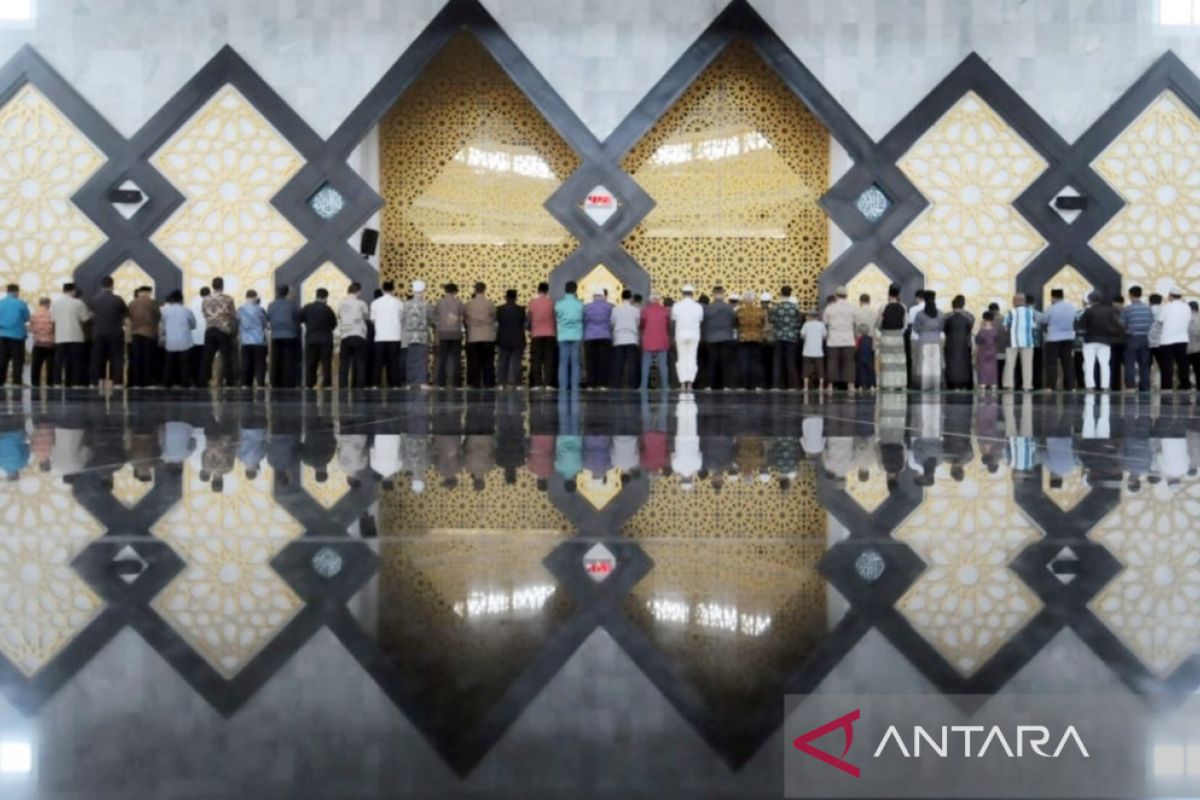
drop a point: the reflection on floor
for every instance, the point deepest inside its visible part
(673, 567)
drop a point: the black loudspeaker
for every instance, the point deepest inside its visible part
(1068, 203)
(125, 196)
(370, 242)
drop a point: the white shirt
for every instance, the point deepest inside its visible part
(813, 334)
(69, 313)
(197, 307)
(1175, 318)
(625, 321)
(687, 315)
(385, 313)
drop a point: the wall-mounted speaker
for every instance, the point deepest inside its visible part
(369, 243)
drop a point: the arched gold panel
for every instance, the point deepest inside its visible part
(467, 164)
(736, 168)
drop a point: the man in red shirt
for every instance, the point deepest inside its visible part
(656, 341)
(543, 343)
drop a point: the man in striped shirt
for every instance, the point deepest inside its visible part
(1021, 324)
(1137, 319)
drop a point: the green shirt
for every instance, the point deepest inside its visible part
(568, 314)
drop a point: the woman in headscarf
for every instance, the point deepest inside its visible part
(927, 330)
(958, 344)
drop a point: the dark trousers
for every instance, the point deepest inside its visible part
(108, 354)
(1059, 358)
(177, 370)
(43, 358)
(481, 365)
(389, 358)
(353, 364)
(510, 365)
(1194, 361)
(197, 377)
(216, 341)
(626, 358)
(864, 363)
(720, 370)
(254, 365)
(1175, 366)
(318, 354)
(786, 369)
(449, 355)
(768, 364)
(1116, 360)
(542, 352)
(1158, 355)
(597, 356)
(12, 351)
(70, 363)
(143, 352)
(750, 365)
(1137, 363)
(285, 363)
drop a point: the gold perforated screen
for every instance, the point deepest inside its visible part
(736, 167)
(467, 163)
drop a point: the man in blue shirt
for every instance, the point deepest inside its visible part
(1138, 320)
(1059, 322)
(283, 318)
(252, 327)
(14, 316)
(568, 316)
(1020, 326)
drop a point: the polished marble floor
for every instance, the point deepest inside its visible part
(492, 595)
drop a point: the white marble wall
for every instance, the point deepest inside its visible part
(1069, 58)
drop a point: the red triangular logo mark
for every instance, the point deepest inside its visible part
(846, 725)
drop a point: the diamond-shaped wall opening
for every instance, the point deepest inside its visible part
(600, 204)
(467, 164)
(872, 203)
(736, 168)
(327, 202)
(125, 201)
(1069, 215)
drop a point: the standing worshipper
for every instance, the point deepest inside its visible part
(655, 326)
(626, 322)
(144, 316)
(252, 331)
(41, 325)
(352, 314)
(1020, 324)
(108, 335)
(283, 320)
(14, 316)
(416, 322)
(177, 323)
(751, 326)
(927, 332)
(1001, 339)
(568, 321)
(510, 340)
(198, 335)
(479, 317)
(1117, 350)
(597, 340)
(388, 349)
(448, 318)
(891, 323)
(786, 320)
(688, 316)
(543, 339)
(768, 343)
(839, 341)
(987, 367)
(813, 334)
(1193, 346)
(220, 318)
(864, 344)
(718, 331)
(958, 325)
(319, 323)
(910, 350)
(1138, 320)
(70, 346)
(1174, 340)
(1059, 322)
(1101, 324)
(1157, 355)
